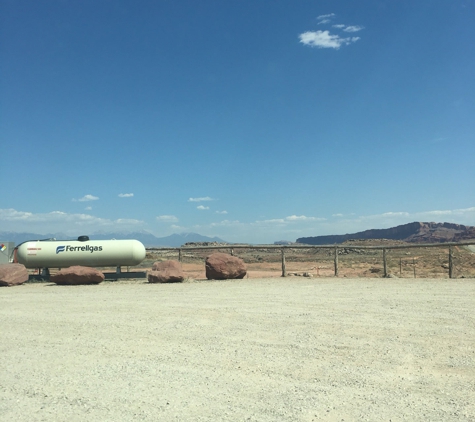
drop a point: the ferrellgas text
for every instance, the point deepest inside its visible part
(83, 248)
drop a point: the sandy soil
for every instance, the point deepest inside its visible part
(277, 349)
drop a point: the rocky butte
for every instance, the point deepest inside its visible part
(416, 232)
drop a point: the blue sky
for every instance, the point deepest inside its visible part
(254, 121)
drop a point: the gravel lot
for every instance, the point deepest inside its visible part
(276, 349)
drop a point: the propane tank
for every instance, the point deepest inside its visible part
(85, 252)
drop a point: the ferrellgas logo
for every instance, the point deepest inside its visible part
(70, 248)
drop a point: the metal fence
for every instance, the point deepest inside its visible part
(336, 251)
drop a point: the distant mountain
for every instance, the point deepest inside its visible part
(18, 238)
(148, 239)
(412, 232)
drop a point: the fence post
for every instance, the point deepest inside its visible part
(385, 267)
(336, 261)
(179, 255)
(451, 263)
(284, 271)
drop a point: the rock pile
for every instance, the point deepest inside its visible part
(199, 244)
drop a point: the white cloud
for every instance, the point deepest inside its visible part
(302, 218)
(323, 39)
(337, 215)
(353, 28)
(456, 212)
(395, 214)
(127, 221)
(221, 212)
(440, 212)
(225, 223)
(86, 198)
(175, 227)
(464, 215)
(270, 221)
(88, 208)
(126, 195)
(58, 221)
(323, 17)
(9, 214)
(204, 198)
(167, 218)
(202, 207)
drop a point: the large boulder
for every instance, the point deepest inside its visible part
(166, 272)
(222, 266)
(13, 274)
(78, 275)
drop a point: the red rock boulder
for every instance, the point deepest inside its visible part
(166, 272)
(78, 275)
(222, 266)
(13, 274)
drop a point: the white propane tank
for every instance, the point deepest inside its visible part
(89, 253)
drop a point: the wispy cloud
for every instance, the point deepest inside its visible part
(128, 221)
(402, 217)
(167, 218)
(86, 198)
(202, 207)
(221, 212)
(271, 221)
(303, 218)
(59, 221)
(201, 199)
(353, 28)
(126, 195)
(323, 39)
(88, 208)
(325, 17)
(289, 220)
(226, 223)
(176, 227)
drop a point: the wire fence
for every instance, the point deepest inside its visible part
(435, 260)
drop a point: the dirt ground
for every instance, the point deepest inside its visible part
(273, 349)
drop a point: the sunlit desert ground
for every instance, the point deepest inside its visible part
(257, 349)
